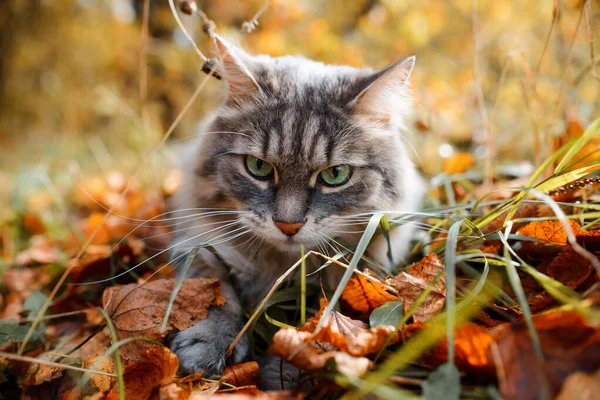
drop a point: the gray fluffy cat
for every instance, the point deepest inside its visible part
(300, 153)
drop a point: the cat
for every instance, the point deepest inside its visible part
(301, 153)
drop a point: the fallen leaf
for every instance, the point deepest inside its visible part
(155, 367)
(36, 374)
(569, 344)
(352, 336)
(40, 251)
(471, 350)
(253, 395)
(458, 163)
(138, 310)
(363, 295)
(580, 386)
(411, 283)
(549, 231)
(390, 313)
(570, 268)
(297, 348)
(244, 374)
(174, 391)
(25, 279)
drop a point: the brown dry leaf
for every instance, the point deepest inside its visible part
(569, 344)
(589, 239)
(92, 352)
(174, 391)
(289, 342)
(549, 231)
(250, 395)
(36, 374)
(156, 366)
(352, 336)
(244, 374)
(25, 279)
(139, 310)
(471, 347)
(570, 268)
(458, 163)
(364, 295)
(40, 251)
(581, 386)
(411, 283)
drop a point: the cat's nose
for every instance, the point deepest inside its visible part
(289, 228)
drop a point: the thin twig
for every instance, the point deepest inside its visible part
(590, 32)
(11, 356)
(250, 25)
(554, 15)
(144, 70)
(488, 140)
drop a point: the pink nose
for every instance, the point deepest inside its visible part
(289, 229)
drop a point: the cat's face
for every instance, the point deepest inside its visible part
(301, 148)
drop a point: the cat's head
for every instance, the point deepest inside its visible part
(300, 146)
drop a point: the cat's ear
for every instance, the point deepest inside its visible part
(234, 66)
(388, 95)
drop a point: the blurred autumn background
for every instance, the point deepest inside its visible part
(86, 97)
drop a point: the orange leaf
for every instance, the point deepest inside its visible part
(364, 295)
(471, 346)
(549, 231)
(411, 283)
(244, 374)
(297, 347)
(458, 163)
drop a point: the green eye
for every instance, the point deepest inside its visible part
(260, 169)
(336, 175)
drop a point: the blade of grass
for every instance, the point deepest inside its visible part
(182, 274)
(360, 249)
(515, 283)
(302, 287)
(576, 146)
(450, 261)
(118, 363)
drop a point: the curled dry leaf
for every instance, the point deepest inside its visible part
(244, 374)
(580, 386)
(363, 295)
(253, 395)
(297, 347)
(411, 283)
(138, 310)
(174, 391)
(341, 338)
(352, 336)
(569, 344)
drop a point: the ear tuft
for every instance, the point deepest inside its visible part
(388, 97)
(235, 68)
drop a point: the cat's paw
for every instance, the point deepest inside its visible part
(203, 346)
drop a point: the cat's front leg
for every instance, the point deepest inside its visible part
(202, 347)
